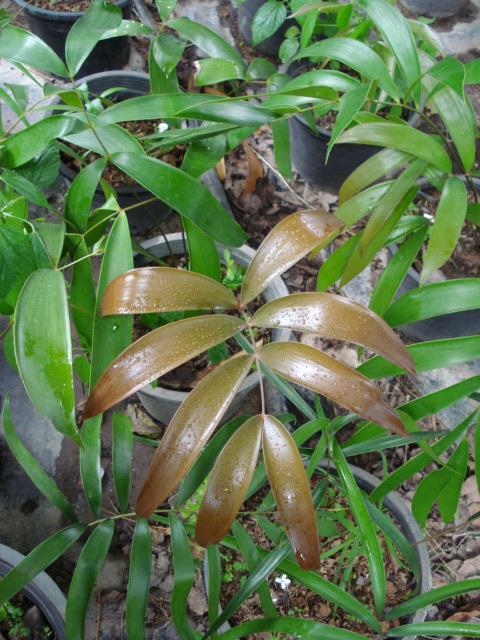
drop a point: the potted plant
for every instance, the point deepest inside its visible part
(100, 91)
(389, 206)
(337, 64)
(54, 281)
(164, 289)
(52, 22)
(41, 593)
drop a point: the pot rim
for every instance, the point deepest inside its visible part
(251, 380)
(400, 509)
(41, 590)
(67, 16)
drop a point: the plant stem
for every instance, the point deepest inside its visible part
(117, 517)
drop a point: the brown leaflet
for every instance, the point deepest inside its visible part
(155, 354)
(229, 482)
(155, 289)
(333, 316)
(311, 368)
(291, 491)
(189, 430)
(289, 241)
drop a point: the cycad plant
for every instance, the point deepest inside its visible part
(159, 289)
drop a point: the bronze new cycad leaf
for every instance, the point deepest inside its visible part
(161, 289)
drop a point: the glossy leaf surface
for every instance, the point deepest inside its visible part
(447, 226)
(394, 273)
(190, 428)
(440, 629)
(28, 143)
(402, 137)
(208, 41)
(456, 115)
(156, 353)
(289, 241)
(43, 349)
(354, 54)
(435, 595)
(419, 462)
(188, 105)
(309, 367)
(139, 580)
(175, 188)
(81, 192)
(122, 447)
(184, 575)
(18, 45)
(389, 204)
(158, 289)
(395, 30)
(87, 31)
(84, 577)
(432, 300)
(205, 461)
(371, 170)
(82, 293)
(427, 356)
(291, 490)
(289, 625)
(228, 483)
(333, 316)
(111, 335)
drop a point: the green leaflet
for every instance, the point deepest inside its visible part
(37, 560)
(367, 528)
(122, 447)
(447, 226)
(432, 300)
(86, 572)
(427, 356)
(139, 580)
(43, 349)
(402, 137)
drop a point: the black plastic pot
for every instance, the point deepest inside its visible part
(309, 154)
(53, 27)
(246, 13)
(434, 8)
(453, 325)
(309, 149)
(402, 514)
(148, 215)
(42, 591)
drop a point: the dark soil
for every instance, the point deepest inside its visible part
(62, 5)
(21, 619)
(298, 600)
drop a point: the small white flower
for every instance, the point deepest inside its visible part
(283, 582)
(162, 126)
